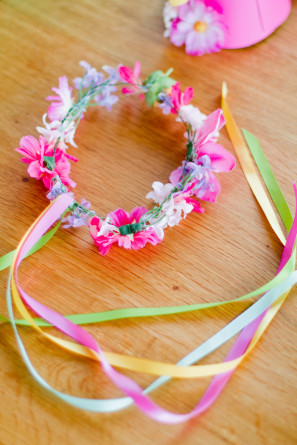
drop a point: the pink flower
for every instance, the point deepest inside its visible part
(132, 77)
(105, 233)
(209, 157)
(59, 109)
(35, 152)
(220, 159)
(199, 27)
(186, 196)
(179, 99)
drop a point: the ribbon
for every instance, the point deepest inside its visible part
(164, 416)
(127, 362)
(254, 331)
(176, 3)
(161, 415)
(240, 327)
(248, 167)
(6, 260)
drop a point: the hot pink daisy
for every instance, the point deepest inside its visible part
(107, 232)
(199, 27)
(34, 153)
(63, 101)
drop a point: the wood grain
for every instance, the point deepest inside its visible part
(219, 255)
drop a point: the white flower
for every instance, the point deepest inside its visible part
(171, 214)
(176, 210)
(160, 225)
(161, 191)
(192, 115)
(54, 130)
(107, 227)
(169, 13)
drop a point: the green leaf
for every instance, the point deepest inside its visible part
(50, 162)
(156, 83)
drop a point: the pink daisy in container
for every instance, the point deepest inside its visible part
(199, 27)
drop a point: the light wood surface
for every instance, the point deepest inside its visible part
(222, 254)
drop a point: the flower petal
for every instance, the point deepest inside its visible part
(210, 191)
(126, 73)
(176, 175)
(196, 205)
(221, 159)
(213, 123)
(137, 69)
(136, 214)
(188, 95)
(119, 217)
(29, 147)
(177, 37)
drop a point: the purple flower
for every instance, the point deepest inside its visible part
(105, 98)
(79, 216)
(165, 103)
(57, 189)
(114, 75)
(199, 27)
(91, 76)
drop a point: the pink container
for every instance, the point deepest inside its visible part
(250, 21)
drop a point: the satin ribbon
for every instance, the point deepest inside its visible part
(126, 313)
(256, 328)
(241, 325)
(171, 418)
(178, 2)
(248, 166)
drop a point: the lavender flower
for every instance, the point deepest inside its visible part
(114, 75)
(165, 103)
(57, 189)
(105, 98)
(79, 215)
(91, 77)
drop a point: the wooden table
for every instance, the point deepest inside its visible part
(222, 254)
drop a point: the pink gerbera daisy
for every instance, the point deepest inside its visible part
(199, 27)
(107, 232)
(35, 153)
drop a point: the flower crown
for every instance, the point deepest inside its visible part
(48, 158)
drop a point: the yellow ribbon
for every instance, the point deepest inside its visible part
(178, 2)
(248, 167)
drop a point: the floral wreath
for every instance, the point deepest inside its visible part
(48, 158)
(197, 24)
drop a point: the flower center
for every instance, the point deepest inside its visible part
(200, 26)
